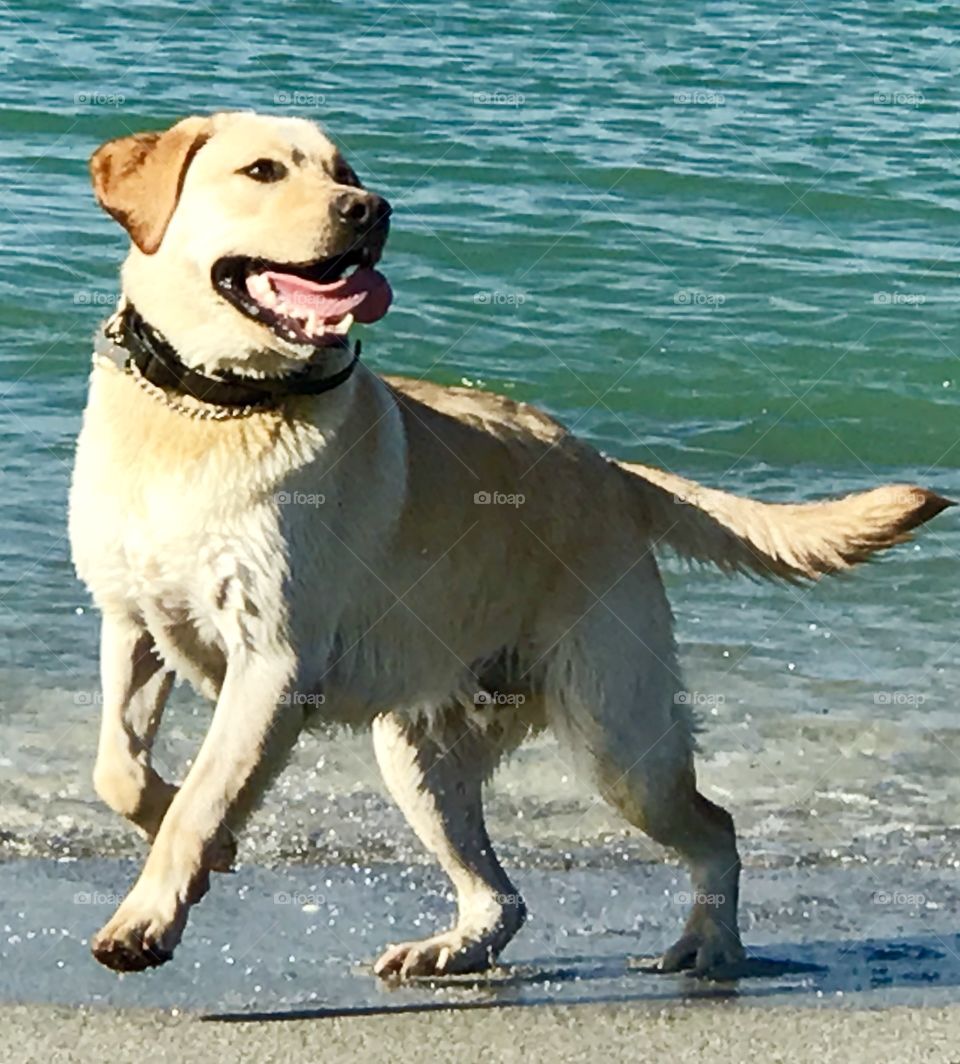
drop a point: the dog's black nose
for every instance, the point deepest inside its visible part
(361, 210)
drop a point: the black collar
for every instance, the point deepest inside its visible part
(157, 362)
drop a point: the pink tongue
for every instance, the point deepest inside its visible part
(365, 294)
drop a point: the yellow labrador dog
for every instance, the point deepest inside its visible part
(254, 510)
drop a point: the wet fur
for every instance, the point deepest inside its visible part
(397, 599)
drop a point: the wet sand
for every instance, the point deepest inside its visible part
(275, 939)
(284, 957)
(715, 1032)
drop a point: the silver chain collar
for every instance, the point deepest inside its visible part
(108, 354)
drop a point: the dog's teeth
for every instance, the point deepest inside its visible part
(302, 313)
(262, 291)
(259, 287)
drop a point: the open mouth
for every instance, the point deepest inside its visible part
(311, 303)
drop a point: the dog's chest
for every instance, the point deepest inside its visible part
(197, 587)
(186, 546)
(192, 580)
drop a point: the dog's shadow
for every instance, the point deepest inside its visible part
(829, 968)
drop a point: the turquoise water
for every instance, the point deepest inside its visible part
(722, 238)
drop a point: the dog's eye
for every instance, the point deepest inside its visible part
(344, 175)
(265, 170)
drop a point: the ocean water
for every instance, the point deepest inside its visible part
(721, 238)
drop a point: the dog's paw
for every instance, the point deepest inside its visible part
(451, 953)
(134, 939)
(707, 951)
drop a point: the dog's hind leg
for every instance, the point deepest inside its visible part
(670, 809)
(616, 699)
(435, 773)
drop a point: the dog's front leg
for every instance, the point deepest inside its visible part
(135, 686)
(435, 772)
(253, 727)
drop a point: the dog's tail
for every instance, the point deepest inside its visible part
(790, 541)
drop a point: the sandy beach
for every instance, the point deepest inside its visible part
(720, 1031)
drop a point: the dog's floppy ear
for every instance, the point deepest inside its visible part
(137, 179)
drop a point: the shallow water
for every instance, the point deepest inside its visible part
(302, 941)
(721, 240)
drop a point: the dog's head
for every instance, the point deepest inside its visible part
(253, 241)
